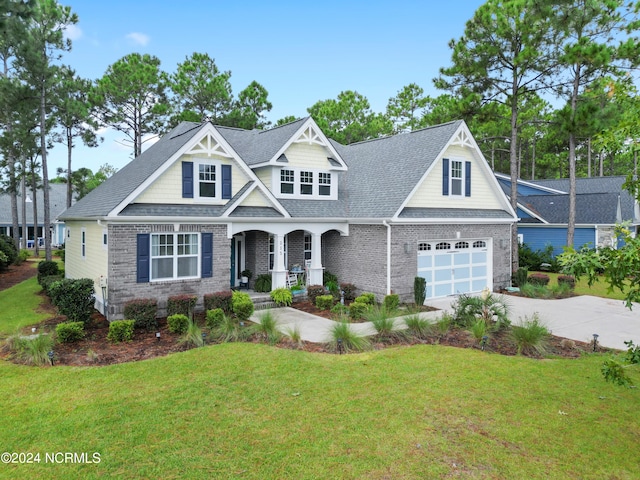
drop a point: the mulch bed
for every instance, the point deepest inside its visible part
(95, 349)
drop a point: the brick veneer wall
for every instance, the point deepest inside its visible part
(361, 258)
(123, 286)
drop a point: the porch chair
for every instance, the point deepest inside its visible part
(292, 279)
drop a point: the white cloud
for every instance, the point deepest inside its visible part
(72, 32)
(138, 38)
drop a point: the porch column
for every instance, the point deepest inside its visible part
(316, 269)
(279, 272)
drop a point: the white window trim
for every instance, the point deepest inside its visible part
(175, 257)
(83, 243)
(461, 178)
(296, 183)
(196, 180)
(304, 246)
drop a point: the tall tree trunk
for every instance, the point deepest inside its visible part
(13, 181)
(69, 149)
(45, 175)
(589, 157)
(23, 187)
(513, 161)
(571, 225)
(533, 160)
(34, 194)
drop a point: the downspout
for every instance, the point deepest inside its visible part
(384, 222)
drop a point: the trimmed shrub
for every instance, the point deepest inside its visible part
(215, 317)
(178, 323)
(219, 300)
(357, 310)
(538, 279)
(69, 332)
(282, 296)
(520, 276)
(340, 309)
(391, 302)
(349, 290)
(313, 292)
(74, 298)
(60, 253)
(324, 302)
(47, 268)
(419, 290)
(366, 297)
(143, 312)
(120, 331)
(9, 251)
(23, 256)
(242, 305)
(181, 304)
(46, 282)
(263, 283)
(567, 280)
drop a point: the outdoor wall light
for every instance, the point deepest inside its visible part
(407, 248)
(595, 341)
(158, 336)
(50, 355)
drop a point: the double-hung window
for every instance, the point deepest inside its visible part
(324, 179)
(287, 179)
(456, 177)
(306, 183)
(174, 255)
(207, 180)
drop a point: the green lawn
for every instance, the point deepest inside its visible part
(259, 412)
(598, 289)
(19, 305)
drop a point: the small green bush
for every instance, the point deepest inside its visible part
(324, 302)
(567, 280)
(74, 298)
(242, 305)
(357, 310)
(366, 297)
(313, 292)
(219, 300)
(33, 351)
(143, 312)
(69, 332)
(349, 290)
(215, 317)
(9, 252)
(520, 276)
(391, 302)
(282, 296)
(23, 256)
(60, 253)
(178, 323)
(181, 304)
(418, 327)
(419, 290)
(538, 279)
(47, 268)
(339, 309)
(531, 336)
(46, 282)
(263, 283)
(120, 331)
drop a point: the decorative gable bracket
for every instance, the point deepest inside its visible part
(209, 146)
(310, 136)
(463, 139)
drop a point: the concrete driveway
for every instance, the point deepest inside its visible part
(577, 318)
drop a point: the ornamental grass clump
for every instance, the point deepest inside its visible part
(418, 327)
(192, 336)
(530, 336)
(33, 351)
(267, 329)
(231, 330)
(344, 340)
(384, 324)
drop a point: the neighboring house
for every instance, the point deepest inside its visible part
(206, 202)
(543, 209)
(57, 205)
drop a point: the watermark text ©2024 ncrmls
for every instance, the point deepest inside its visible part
(50, 457)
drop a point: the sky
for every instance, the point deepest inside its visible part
(300, 51)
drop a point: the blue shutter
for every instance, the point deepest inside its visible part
(445, 176)
(187, 179)
(206, 270)
(467, 179)
(226, 181)
(143, 257)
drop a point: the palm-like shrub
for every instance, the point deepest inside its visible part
(343, 337)
(493, 309)
(530, 336)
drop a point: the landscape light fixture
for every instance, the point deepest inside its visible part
(595, 341)
(204, 337)
(242, 324)
(483, 343)
(158, 336)
(340, 348)
(50, 355)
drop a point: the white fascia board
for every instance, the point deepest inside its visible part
(448, 221)
(531, 184)
(309, 122)
(534, 215)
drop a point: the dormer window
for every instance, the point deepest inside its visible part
(207, 180)
(305, 183)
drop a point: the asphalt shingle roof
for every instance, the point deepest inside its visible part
(413, 212)
(594, 208)
(57, 204)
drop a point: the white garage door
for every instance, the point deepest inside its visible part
(454, 267)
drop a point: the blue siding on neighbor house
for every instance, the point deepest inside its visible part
(537, 238)
(522, 214)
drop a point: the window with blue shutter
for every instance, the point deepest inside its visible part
(206, 270)
(445, 176)
(467, 179)
(187, 179)
(226, 181)
(142, 258)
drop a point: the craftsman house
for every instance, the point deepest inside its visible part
(206, 202)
